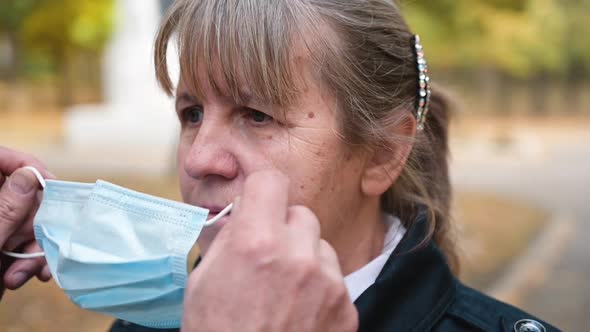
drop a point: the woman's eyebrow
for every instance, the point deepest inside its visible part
(185, 98)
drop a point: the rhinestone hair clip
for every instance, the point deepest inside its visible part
(423, 100)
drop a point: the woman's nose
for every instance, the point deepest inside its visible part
(211, 155)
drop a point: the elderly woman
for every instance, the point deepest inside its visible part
(318, 120)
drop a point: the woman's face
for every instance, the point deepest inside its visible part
(222, 142)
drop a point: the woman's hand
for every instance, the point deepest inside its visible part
(268, 270)
(19, 201)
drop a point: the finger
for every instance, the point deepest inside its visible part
(25, 232)
(348, 316)
(45, 274)
(304, 228)
(263, 202)
(17, 200)
(24, 269)
(5, 262)
(329, 259)
(11, 160)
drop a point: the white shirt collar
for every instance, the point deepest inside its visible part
(358, 281)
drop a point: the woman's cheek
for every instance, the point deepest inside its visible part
(188, 135)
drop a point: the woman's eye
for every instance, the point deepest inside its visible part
(258, 117)
(193, 115)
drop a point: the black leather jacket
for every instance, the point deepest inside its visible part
(416, 291)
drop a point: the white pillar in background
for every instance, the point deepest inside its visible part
(136, 125)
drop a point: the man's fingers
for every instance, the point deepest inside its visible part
(25, 232)
(24, 269)
(11, 160)
(17, 200)
(45, 274)
(263, 201)
(304, 228)
(329, 259)
(5, 262)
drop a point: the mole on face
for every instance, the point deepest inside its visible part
(310, 115)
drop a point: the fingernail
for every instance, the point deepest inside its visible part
(21, 184)
(19, 278)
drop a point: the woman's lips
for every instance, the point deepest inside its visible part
(214, 209)
(217, 212)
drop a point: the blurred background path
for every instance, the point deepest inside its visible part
(557, 180)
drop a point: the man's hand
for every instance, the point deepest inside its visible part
(268, 270)
(19, 201)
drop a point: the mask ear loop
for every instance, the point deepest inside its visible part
(35, 254)
(220, 215)
(23, 256)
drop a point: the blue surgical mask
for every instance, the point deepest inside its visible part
(117, 251)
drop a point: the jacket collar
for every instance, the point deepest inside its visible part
(414, 288)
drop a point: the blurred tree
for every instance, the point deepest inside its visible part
(526, 39)
(577, 38)
(61, 29)
(12, 16)
(518, 37)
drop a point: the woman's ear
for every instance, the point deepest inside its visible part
(387, 162)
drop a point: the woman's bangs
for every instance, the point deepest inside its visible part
(244, 49)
